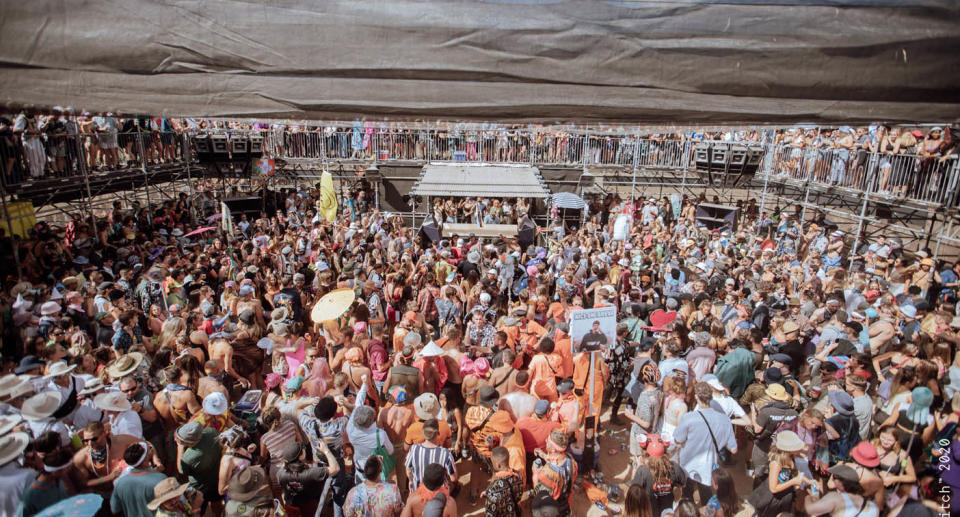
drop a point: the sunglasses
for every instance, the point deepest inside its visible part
(90, 440)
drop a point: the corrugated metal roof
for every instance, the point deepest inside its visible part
(468, 180)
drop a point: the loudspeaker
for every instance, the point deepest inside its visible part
(220, 145)
(244, 205)
(525, 236)
(723, 164)
(721, 217)
(429, 231)
(256, 146)
(201, 144)
(239, 145)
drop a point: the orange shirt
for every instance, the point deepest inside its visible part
(518, 455)
(581, 379)
(544, 369)
(415, 434)
(562, 349)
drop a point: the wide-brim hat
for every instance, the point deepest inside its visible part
(8, 382)
(12, 446)
(156, 274)
(789, 441)
(215, 404)
(865, 453)
(431, 350)
(8, 422)
(248, 484)
(426, 406)
(49, 308)
(59, 368)
(166, 490)
(112, 401)
(91, 387)
(332, 305)
(41, 405)
(777, 392)
(487, 396)
(124, 365)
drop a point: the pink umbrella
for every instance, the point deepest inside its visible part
(214, 217)
(200, 230)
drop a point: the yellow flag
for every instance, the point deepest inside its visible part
(328, 198)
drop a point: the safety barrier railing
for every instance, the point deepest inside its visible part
(930, 179)
(30, 158)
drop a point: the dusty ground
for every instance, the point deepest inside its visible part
(616, 468)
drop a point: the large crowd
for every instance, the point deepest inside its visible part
(909, 162)
(765, 369)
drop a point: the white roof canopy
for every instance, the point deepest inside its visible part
(469, 180)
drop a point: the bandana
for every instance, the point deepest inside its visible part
(99, 455)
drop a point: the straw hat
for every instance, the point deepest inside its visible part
(112, 401)
(166, 490)
(124, 365)
(431, 350)
(59, 368)
(24, 388)
(7, 383)
(788, 441)
(91, 387)
(41, 405)
(8, 422)
(777, 392)
(12, 446)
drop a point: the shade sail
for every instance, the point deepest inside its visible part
(681, 61)
(480, 180)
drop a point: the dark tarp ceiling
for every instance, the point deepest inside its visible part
(540, 61)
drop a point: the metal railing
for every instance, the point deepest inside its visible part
(907, 176)
(896, 176)
(26, 159)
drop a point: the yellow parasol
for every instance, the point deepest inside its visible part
(332, 305)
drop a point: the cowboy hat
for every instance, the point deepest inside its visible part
(215, 403)
(8, 382)
(166, 490)
(431, 350)
(250, 483)
(112, 401)
(58, 368)
(124, 365)
(91, 387)
(8, 422)
(12, 446)
(41, 405)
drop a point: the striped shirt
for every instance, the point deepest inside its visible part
(420, 456)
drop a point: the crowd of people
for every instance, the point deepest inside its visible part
(909, 162)
(757, 370)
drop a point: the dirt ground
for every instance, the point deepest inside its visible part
(617, 468)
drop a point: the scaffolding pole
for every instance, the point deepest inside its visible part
(636, 163)
(143, 167)
(863, 215)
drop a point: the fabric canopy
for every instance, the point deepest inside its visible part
(682, 61)
(456, 180)
(567, 200)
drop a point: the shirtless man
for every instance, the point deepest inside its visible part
(175, 403)
(504, 378)
(221, 354)
(213, 381)
(246, 301)
(100, 461)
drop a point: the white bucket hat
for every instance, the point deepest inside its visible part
(215, 404)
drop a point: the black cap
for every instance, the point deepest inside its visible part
(772, 376)
(781, 358)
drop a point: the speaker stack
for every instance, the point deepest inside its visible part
(726, 165)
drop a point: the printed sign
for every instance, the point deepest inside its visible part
(593, 328)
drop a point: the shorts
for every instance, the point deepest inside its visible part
(107, 140)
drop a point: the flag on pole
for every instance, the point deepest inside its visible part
(328, 198)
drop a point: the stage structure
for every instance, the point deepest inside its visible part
(634, 163)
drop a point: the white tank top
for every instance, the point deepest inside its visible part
(852, 509)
